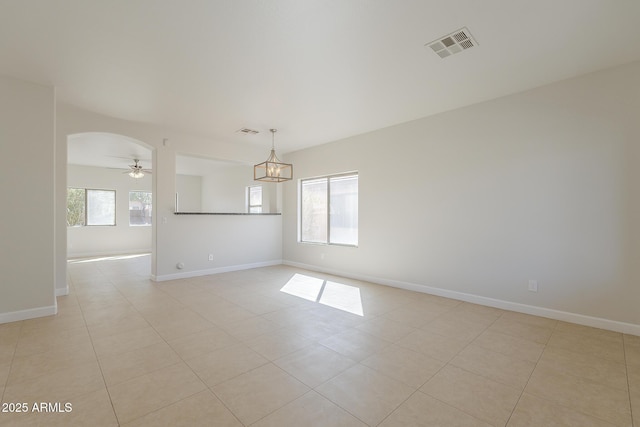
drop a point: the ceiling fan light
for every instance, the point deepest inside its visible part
(136, 170)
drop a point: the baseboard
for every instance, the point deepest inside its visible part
(196, 273)
(31, 313)
(580, 319)
(63, 291)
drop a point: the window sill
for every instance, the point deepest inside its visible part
(341, 245)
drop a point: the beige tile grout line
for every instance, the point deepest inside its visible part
(13, 356)
(559, 404)
(453, 357)
(383, 374)
(104, 381)
(180, 357)
(313, 389)
(94, 351)
(555, 327)
(626, 369)
(441, 368)
(98, 359)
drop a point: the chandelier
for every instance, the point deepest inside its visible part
(272, 169)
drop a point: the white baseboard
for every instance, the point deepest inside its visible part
(60, 292)
(31, 313)
(580, 319)
(196, 273)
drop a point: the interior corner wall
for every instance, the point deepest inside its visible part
(108, 240)
(27, 116)
(543, 185)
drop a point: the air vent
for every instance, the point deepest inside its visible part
(453, 43)
(247, 131)
(461, 36)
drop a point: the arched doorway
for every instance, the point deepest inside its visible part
(109, 195)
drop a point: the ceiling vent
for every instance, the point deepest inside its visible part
(247, 131)
(453, 43)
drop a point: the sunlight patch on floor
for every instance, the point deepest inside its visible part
(106, 258)
(337, 295)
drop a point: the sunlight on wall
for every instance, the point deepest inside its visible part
(332, 294)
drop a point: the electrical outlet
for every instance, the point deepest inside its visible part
(533, 285)
(210, 257)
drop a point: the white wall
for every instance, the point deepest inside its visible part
(189, 189)
(235, 241)
(173, 236)
(540, 185)
(27, 118)
(108, 240)
(224, 190)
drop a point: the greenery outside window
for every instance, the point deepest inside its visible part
(90, 207)
(140, 208)
(76, 207)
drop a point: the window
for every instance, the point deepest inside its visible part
(90, 207)
(75, 207)
(329, 210)
(140, 208)
(254, 199)
(101, 207)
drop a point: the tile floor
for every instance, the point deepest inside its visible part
(280, 346)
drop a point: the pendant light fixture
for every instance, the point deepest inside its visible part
(273, 170)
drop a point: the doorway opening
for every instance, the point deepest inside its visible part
(109, 197)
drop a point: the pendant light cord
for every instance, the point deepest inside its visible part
(273, 138)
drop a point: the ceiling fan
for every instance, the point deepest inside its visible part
(137, 171)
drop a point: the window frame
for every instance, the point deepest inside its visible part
(129, 207)
(249, 205)
(328, 206)
(86, 207)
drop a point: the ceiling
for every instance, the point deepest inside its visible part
(318, 70)
(202, 166)
(106, 150)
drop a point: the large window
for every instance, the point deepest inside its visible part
(254, 199)
(329, 210)
(140, 208)
(90, 207)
